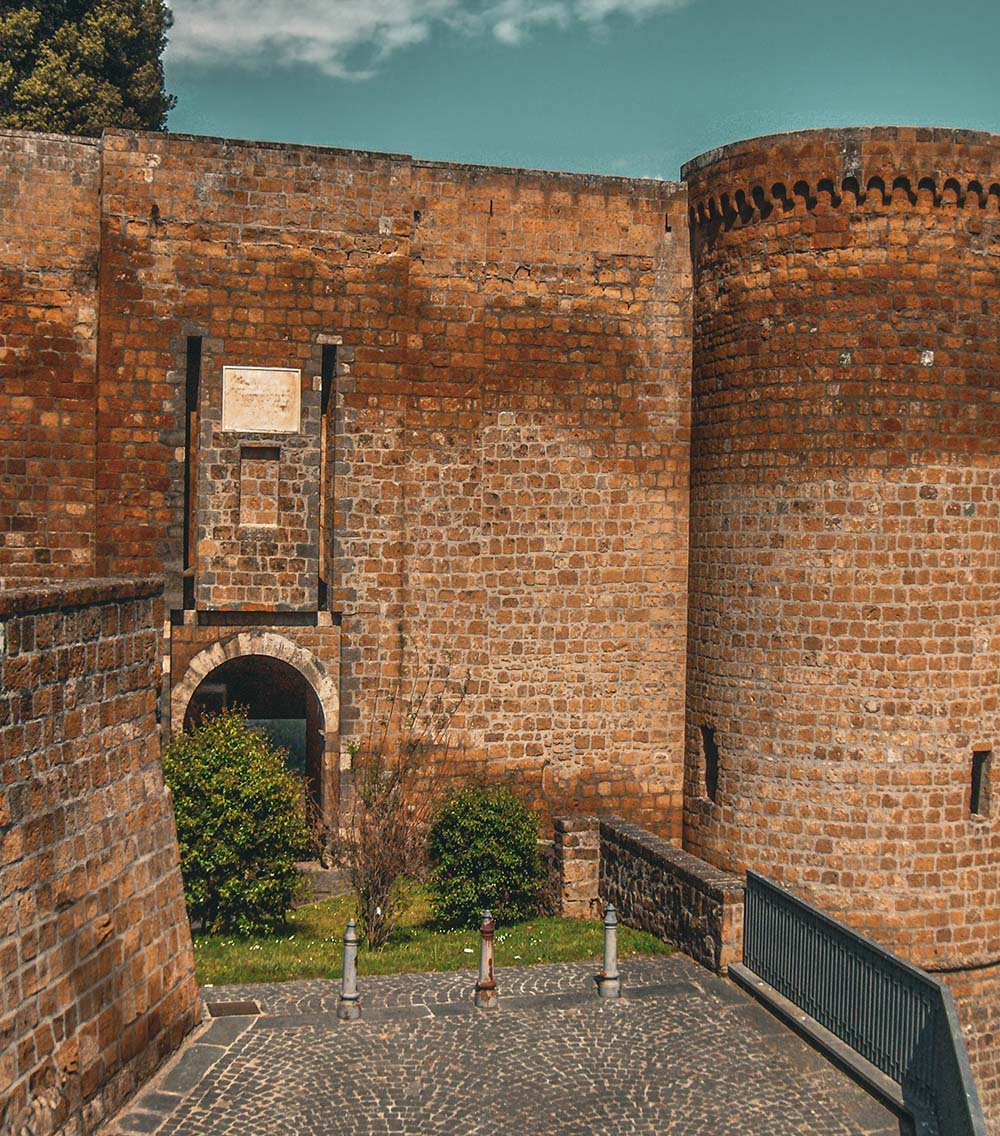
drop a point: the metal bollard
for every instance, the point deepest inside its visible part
(608, 983)
(486, 987)
(349, 1004)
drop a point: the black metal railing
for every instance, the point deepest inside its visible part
(894, 1015)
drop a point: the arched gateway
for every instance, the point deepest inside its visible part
(284, 688)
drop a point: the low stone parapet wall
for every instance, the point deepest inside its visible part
(95, 949)
(653, 885)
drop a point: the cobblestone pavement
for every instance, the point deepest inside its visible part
(683, 1053)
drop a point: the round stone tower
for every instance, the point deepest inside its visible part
(843, 722)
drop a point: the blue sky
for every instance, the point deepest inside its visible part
(632, 87)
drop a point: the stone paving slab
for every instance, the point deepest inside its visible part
(682, 1054)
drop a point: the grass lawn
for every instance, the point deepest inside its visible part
(312, 946)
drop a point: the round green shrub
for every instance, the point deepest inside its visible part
(241, 825)
(483, 849)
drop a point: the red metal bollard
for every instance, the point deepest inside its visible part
(486, 987)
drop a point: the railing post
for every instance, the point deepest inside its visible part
(349, 1004)
(486, 987)
(608, 982)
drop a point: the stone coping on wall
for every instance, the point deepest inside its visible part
(51, 595)
(587, 179)
(714, 882)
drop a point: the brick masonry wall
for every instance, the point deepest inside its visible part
(519, 517)
(845, 501)
(843, 630)
(94, 942)
(576, 866)
(977, 998)
(235, 245)
(505, 447)
(653, 885)
(49, 251)
(257, 553)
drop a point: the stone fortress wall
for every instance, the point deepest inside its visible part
(844, 629)
(95, 949)
(490, 474)
(49, 255)
(845, 495)
(695, 484)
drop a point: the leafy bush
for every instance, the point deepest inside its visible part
(483, 848)
(241, 824)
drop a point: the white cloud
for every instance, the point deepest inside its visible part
(347, 38)
(596, 10)
(318, 33)
(510, 21)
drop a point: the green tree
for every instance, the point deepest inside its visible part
(241, 824)
(77, 66)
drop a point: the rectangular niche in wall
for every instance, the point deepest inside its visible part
(261, 400)
(259, 470)
(711, 751)
(979, 789)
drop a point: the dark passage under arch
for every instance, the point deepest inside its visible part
(279, 700)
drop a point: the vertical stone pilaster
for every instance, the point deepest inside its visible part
(578, 865)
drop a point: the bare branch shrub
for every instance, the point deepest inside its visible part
(393, 796)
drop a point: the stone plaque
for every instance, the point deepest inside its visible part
(261, 400)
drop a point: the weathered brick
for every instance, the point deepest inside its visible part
(69, 939)
(844, 508)
(506, 476)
